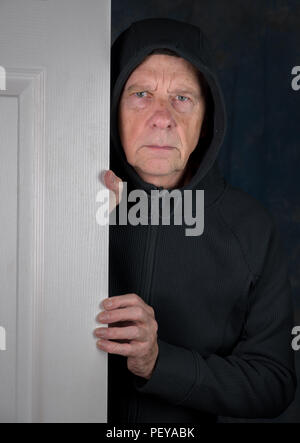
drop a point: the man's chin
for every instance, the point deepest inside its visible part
(154, 172)
(155, 167)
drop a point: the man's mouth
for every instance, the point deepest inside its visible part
(160, 147)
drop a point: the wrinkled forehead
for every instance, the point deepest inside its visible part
(156, 63)
(176, 70)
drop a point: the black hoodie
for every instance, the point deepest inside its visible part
(222, 300)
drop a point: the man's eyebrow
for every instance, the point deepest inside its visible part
(139, 87)
(178, 90)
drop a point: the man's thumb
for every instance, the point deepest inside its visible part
(111, 180)
(114, 184)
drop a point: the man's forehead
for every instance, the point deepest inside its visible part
(154, 71)
(154, 64)
(147, 74)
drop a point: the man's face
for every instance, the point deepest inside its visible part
(161, 105)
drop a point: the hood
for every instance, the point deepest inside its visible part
(188, 41)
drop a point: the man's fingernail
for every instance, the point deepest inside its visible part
(108, 303)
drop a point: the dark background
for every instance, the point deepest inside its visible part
(256, 45)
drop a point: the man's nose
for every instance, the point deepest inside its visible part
(162, 117)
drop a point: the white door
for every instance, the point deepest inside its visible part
(54, 144)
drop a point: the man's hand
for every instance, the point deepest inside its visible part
(137, 334)
(115, 186)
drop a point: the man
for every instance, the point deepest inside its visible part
(199, 326)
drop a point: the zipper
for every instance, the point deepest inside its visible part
(147, 278)
(149, 255)
(150, 261)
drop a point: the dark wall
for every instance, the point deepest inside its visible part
(256, 44)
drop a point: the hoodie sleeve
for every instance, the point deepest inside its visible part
(258, 379)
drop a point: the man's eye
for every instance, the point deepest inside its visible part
(141, 92)
(182, 96)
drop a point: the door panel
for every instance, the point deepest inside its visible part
(8, 255)
(54, 144)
